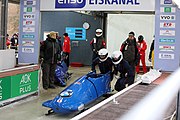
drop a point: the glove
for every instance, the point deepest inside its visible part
(58, 62)
(92, 71)
(117, 77)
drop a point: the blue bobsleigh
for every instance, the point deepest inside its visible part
(80, 93)
(61, 75)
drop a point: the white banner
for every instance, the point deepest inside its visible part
(167, 25)
(98, 5)
(166, 56)
(167, 32)
(167, 48)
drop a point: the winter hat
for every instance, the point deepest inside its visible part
(131, 33)
(65, 34)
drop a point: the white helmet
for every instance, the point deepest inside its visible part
(103, 54)
(117, 56)
(99, 32)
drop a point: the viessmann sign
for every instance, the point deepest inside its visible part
(98, 5)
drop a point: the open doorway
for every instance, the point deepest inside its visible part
(122, 24)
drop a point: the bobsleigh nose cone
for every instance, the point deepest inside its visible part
(47, 104)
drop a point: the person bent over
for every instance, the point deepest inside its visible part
(103, 61)
(125, 70)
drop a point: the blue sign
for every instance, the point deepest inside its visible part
(167, 41)
(28, 36)
(70, 3)
(76, 33)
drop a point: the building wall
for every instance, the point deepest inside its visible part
(58, 21)
(13, 18)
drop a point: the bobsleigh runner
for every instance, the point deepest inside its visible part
(80, 93)
(61, 74)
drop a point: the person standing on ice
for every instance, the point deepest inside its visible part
(97, 43)
(142, 46)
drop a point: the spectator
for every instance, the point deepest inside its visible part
(14, 41)
(125, 70)
(130, 52)
(49, 51)
(142, 46)
(97, 43)
(59, 41)
(8, 42)
(151, 53)
(66, 48)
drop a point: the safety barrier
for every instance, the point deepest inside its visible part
(152, 107)
(155, 104)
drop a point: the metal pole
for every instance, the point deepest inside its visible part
(4, 14)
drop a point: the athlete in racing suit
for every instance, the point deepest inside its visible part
(125, 70)
(142, 48)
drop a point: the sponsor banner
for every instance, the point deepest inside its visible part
(98, 5)
(166, 56)
(24, 83)
(27, 43)
(28, 36)
(167, 32)
(166, 36)
(28, 29)
(5, 88)
(29, 2)
(28, 50)
(166, 2)
(167, 48)
(167, 25)
(168, 9)
(167, 41)
(28, 23)
(167, 17)
(29, 9)
(28, 16)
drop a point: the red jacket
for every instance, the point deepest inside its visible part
(142, 46)
(67, 45)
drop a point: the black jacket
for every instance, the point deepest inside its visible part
(99, 44)
(50, 51)
(124, 68)
(130, 51)
(151, 49)
(104, 67)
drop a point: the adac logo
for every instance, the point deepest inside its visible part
(70, 3)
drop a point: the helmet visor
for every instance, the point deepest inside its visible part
(116, 60)
(102, 56)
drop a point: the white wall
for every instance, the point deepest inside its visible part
(7, 59)
(119, 25)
